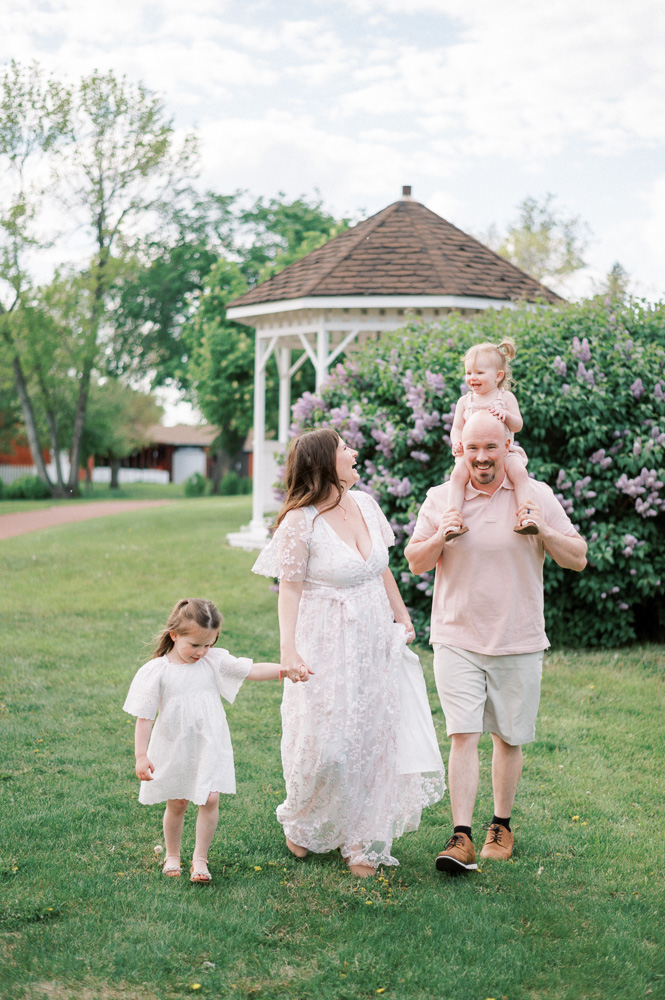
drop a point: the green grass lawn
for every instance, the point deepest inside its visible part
(85, 912)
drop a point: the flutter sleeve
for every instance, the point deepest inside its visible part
(370, 507)
(230, 671)
(287, 554)
(145, 691)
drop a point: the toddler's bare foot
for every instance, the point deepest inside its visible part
(299, 852)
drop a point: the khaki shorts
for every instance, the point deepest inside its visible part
(495, 694)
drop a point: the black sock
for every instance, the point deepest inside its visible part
(501, 822)
(464, 829)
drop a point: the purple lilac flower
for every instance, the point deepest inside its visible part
(385, 438)
(588, 376)
(581, 351)
(436, 382)
(420, 456)
(565, 389)
(410, 527)
(623, 606)
(658, 391)
(398, 487)
(644, 490)
(560, 366)
(637, 388)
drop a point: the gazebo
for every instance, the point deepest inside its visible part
(405, 260)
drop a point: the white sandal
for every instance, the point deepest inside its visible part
(172, 870)
(200, 874)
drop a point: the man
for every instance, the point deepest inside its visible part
(488, 626)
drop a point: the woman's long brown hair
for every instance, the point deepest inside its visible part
(311, 471)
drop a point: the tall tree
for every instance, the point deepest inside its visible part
(542, 241)
(122, 163)
(217, 366)
(118, 420)
(34, 112)
(113, 160)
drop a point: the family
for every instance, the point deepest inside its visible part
(359, 751)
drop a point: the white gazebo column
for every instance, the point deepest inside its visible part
(322, 342)
(284, 369)
(257, 525)
(255, 535)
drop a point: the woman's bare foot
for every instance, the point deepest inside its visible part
(299, 852)
(362, 871)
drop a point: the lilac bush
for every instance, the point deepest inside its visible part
(589, 380)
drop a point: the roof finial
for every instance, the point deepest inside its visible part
(406, 191)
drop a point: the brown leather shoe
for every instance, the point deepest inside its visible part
(499, 843)
(459, 855)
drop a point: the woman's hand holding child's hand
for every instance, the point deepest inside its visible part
(296, 671)
(144, 768)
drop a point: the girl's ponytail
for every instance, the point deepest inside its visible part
(187, 612)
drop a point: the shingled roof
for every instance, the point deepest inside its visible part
(403, 250)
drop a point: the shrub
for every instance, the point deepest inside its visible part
(196, 485)
(233, 484)
(27, 488)
(590, 380)
(2, 489)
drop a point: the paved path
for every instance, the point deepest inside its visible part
(50, 517)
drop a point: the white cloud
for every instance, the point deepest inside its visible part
(357, 97)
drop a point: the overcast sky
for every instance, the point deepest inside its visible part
(475, 103)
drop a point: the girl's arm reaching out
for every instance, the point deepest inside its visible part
(144, 767)
(273, 672)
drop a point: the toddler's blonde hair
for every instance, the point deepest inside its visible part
(500, 354)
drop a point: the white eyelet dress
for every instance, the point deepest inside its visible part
(359, 751)
(190, 744)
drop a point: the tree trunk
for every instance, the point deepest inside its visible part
(115, 473)
(30, 423)
(220, 467)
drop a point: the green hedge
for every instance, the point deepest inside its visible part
(26, 488)
(590, 380)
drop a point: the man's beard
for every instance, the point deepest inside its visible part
(484, 476)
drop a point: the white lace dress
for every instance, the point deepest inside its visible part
(190, 744)
(359, 751)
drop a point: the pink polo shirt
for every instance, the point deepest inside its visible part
(488, 589)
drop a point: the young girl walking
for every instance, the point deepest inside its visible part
(189, 757)
(489, 378)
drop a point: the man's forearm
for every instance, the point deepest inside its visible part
(423, 556)
(568, 551)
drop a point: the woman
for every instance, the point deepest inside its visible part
(359, 752)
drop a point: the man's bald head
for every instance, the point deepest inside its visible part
(485, 440)
(484, 422)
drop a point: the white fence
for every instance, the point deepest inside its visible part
(9, 473)
(102, 474)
